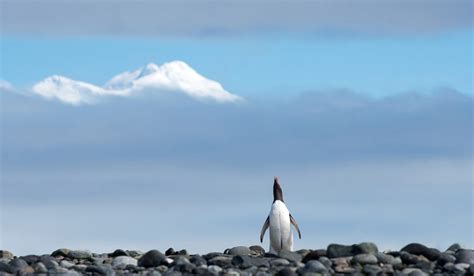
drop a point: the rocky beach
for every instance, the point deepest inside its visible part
(358, 259)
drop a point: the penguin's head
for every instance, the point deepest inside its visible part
(277, 192)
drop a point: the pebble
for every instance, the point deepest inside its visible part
(357, 259)
(79, 254)
(4, 254)
(240, 250)
(419, 249)
(152, 258)
(123, 261)
(465, 256)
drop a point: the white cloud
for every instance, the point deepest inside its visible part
(5, 85)
(174, 76)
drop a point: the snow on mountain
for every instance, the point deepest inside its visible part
(175, 76)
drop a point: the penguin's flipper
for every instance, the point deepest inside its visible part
(295, 224)
(264, 228)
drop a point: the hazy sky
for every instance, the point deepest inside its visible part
(363, 110)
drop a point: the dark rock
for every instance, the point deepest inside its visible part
(471, 269)
(419, 249)
(325, 261)
(414, 272)
(118, 252)
(182, 252)
(339, 250)
(6, 268)
(387, 259)
(170, 251)
(372, 269)
(286, 272)
(152, 258)
(96, 269)
(425, 266)
(31, 259)
(291, 256)
(364, 259)
(198, 260)
(221, 261)
(257, 250)
(62, 252)
(243, 261)
(50, 264)
(367, 248)
(313, 266)
(314, 255)
(199, 270)
(183, 265)
(18, 264)
(408, 258)
(239, 250)
(79, 254)
(46, 258)
(465, 256)
(454, 247)
(211, 255)
(445, 258)
(279, 262)
(393, 253)
(4, 254)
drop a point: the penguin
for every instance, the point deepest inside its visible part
(279, 221)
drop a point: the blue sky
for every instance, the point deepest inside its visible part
(270, 64)
(366, 117)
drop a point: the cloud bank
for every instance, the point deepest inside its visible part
(217, 18)
(174, 76)
(353, 168)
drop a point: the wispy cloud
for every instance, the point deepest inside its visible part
(174, 76)
(183, 18)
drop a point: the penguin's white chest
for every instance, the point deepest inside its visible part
(280, 228)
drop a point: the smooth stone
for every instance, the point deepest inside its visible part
(40, 268)
(50, 264)
(79, 254)
(342, 261)
(364, 259)
(445, 258)
(63, 252)
(243, 261)
(387, 268)
(279, 262)
(257, 250)
(314, 266)
(344, 269)
(387, 259)
(419, 249)
(325, 261)
(291, 256)
(408, 258)
(414, 272)
(183, 265)
(462, 266)
(31, 259)
(18, 264)
(152, 258)
(200, 270)
(4, 267)
(454, 247)
(221, 261)
(198, 260)
(372, 269)
(134, 253)
(339, 250)
(26, 271)
(214, 269)
(425, 266)
(465, 256)
(314, 255)
(118, 252)
(286, 272)
(96, 269)
(123, 261)
(66, 264)
(240, 250)
(211, 255)
(4, 254)
(170, 251)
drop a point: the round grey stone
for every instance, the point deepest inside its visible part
(66, 264)
(123, 261)
(364, 259)
(214, 269)
(240, 250)
(18, 264)
(279, 262)
(291, 256)
(465, 256)
(152, 258)
(79, 254)
(314, 266)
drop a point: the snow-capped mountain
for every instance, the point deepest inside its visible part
(175, 76)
